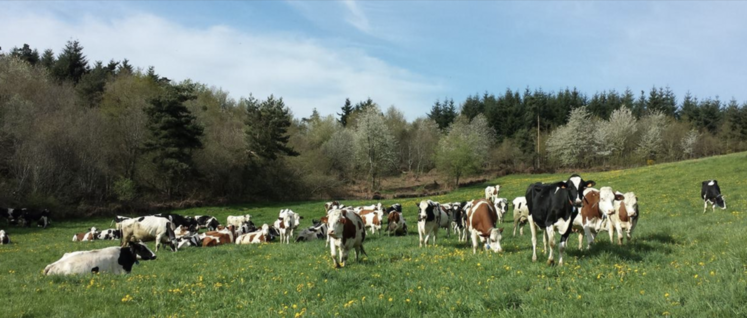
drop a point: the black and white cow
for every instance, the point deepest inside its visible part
(317, 231)
(110, 234)
(189, 240)
(554, 206)
(4, 239)
(207, 222)
(11, 215)
(148, 228)
(118, 219)
(41, 217)
(711, 193)
(430, 218)
(115, 260)
(394, 207)
(178, 220)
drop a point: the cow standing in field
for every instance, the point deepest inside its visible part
(4, 239)
(598, 206)
(148, 228)
(430, 219)
(91, 235)
(625, 216)
(115, 260)
(521, 214)
(372, 219)
(710, 192)
(177, 220)
(284, 225)
(491, 192)
(554, 206)
(346, 232)
(501, 207)
(482, 220)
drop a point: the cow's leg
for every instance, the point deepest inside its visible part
(533, 229)
(420, 236)
(609, 229)
(333, 253)
(705, 206)
(563, 240)
(580, 240)
(550, 232)
(589, 237)
(435, 234)
(544, 242)
(343, 256)
(475, 241)
(618, 228)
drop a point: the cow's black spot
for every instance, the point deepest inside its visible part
(127, 258)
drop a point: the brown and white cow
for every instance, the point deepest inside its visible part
(346, 232)
(220, 237)
(491, 192)
(396, 223)
(598, 205)
(91, 235)
(284, 226)
(482, 221)
(372, 219)
(625, 216)
(256, 237)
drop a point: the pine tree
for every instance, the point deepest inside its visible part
(26, 53)
(71, 63)
(267, 125)
(90, 88)
(125, 67)
(689, 109)
(47, 59)
(363, 105)
(346, 109)
(175, 134)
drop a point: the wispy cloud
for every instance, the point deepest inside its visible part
(306, 72)
(356, 16)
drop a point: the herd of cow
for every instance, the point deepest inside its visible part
(563, 207)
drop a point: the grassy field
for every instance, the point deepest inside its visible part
(682, 263)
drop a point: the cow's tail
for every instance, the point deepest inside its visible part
(363, 251)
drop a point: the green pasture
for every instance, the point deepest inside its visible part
(682, 263)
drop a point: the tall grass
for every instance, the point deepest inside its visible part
(682, 263)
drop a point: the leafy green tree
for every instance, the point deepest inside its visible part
(175, 135)
(465, 148)
(267, 125)
(71, 64)
(347, 110)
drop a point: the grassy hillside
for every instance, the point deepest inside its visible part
(682, 263)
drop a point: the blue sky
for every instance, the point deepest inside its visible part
(407, 54)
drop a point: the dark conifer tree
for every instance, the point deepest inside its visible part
(347, 110)
(71, 64)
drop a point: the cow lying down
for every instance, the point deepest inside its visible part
(115, 260)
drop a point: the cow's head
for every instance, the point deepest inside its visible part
(576, 186)
(427, 210)
(141, 251)
(607, 200)
(336, 222)
(501, 206)
(631, 203)
(494, 240)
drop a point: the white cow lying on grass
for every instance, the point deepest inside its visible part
(115, 260)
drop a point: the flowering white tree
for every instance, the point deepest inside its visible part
(374, 144)
(571, 143)
(614, 136)
(688, 143)
(651, 128)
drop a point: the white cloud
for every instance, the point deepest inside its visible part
(305, 72)
(356, 17)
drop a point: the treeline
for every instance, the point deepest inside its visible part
(82, 136)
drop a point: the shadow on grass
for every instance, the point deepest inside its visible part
(635, 251)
